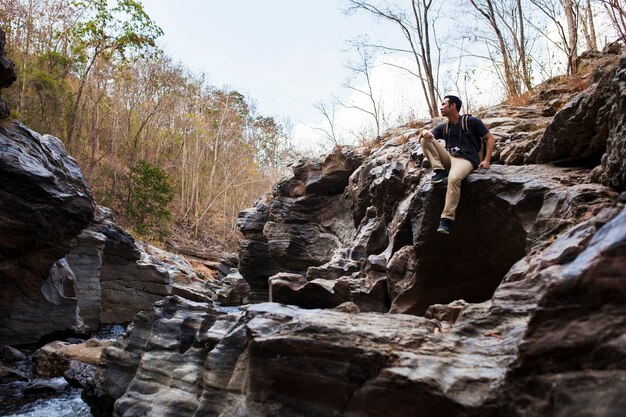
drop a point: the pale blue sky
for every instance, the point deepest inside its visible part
(285, 54)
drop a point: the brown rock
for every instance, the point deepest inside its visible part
(54, 359)
(578, 134)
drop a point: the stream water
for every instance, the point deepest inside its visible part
(57, 399)
(40, 397)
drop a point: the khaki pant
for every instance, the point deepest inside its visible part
(458, 169)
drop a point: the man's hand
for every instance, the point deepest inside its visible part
(427, 134)
(491, 144)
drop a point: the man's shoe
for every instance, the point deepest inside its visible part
(444, 226)
(440, 176)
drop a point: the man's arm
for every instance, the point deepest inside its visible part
(427, 134)
(491, 144)
(435, 133)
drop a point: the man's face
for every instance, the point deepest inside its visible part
(445, 107)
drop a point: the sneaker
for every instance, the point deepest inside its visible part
(444, 226)
(440, 176)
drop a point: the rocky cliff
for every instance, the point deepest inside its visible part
(44, 203)
(537, 255)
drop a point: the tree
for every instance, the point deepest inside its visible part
(361, 68)
(328, 112)
(567, 36)
(506, 22)
(588, 26)
(617, 14)
(418, 31)
(119, 30)
(149, 195)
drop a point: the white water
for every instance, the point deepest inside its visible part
(68, 405)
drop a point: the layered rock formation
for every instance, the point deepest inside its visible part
(393, 258)
(44, 204)
(116, 276)
(522, 353)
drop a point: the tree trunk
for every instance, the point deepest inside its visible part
(592, 44)
(572, 31)
(522, 48)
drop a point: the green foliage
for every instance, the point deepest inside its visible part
(150, 193)
(120, 29)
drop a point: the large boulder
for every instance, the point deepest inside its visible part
(392, 258)
(55, 358)
(118, 277)
(578, 134)
(44, 204)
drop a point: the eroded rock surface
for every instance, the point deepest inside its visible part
(44, 204)
(185, 359)
(578, 134)
(613, 169)
(393, 258)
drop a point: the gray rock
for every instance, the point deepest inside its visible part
(613, 165)
(44, 204)
(549, 342)
(10, 354)
(8, 375)
(234, 290)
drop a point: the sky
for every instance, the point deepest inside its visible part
(286, 55)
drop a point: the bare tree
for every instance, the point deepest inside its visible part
(328, 110)
(418, 31)
(503, 18)
(588, 26)
(362, 69)
(617, 14)
(554, 10)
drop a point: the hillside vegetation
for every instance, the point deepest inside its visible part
(158, 144)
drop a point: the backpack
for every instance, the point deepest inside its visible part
(482, 149)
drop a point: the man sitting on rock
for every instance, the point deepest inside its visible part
(463, 136)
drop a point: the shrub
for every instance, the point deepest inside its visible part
(149, 195)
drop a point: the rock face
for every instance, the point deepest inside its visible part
(301, 226)
(549, 342)
(374, 243)
(62, 268)
(613, 169)
(116, 277)
(578, 134)
(392, 258)
(44, 204)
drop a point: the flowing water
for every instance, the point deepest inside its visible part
(61, 401)
(47, 397)
(65, 401)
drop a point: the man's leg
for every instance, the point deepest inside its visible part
(459, 169)
(437, 155)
